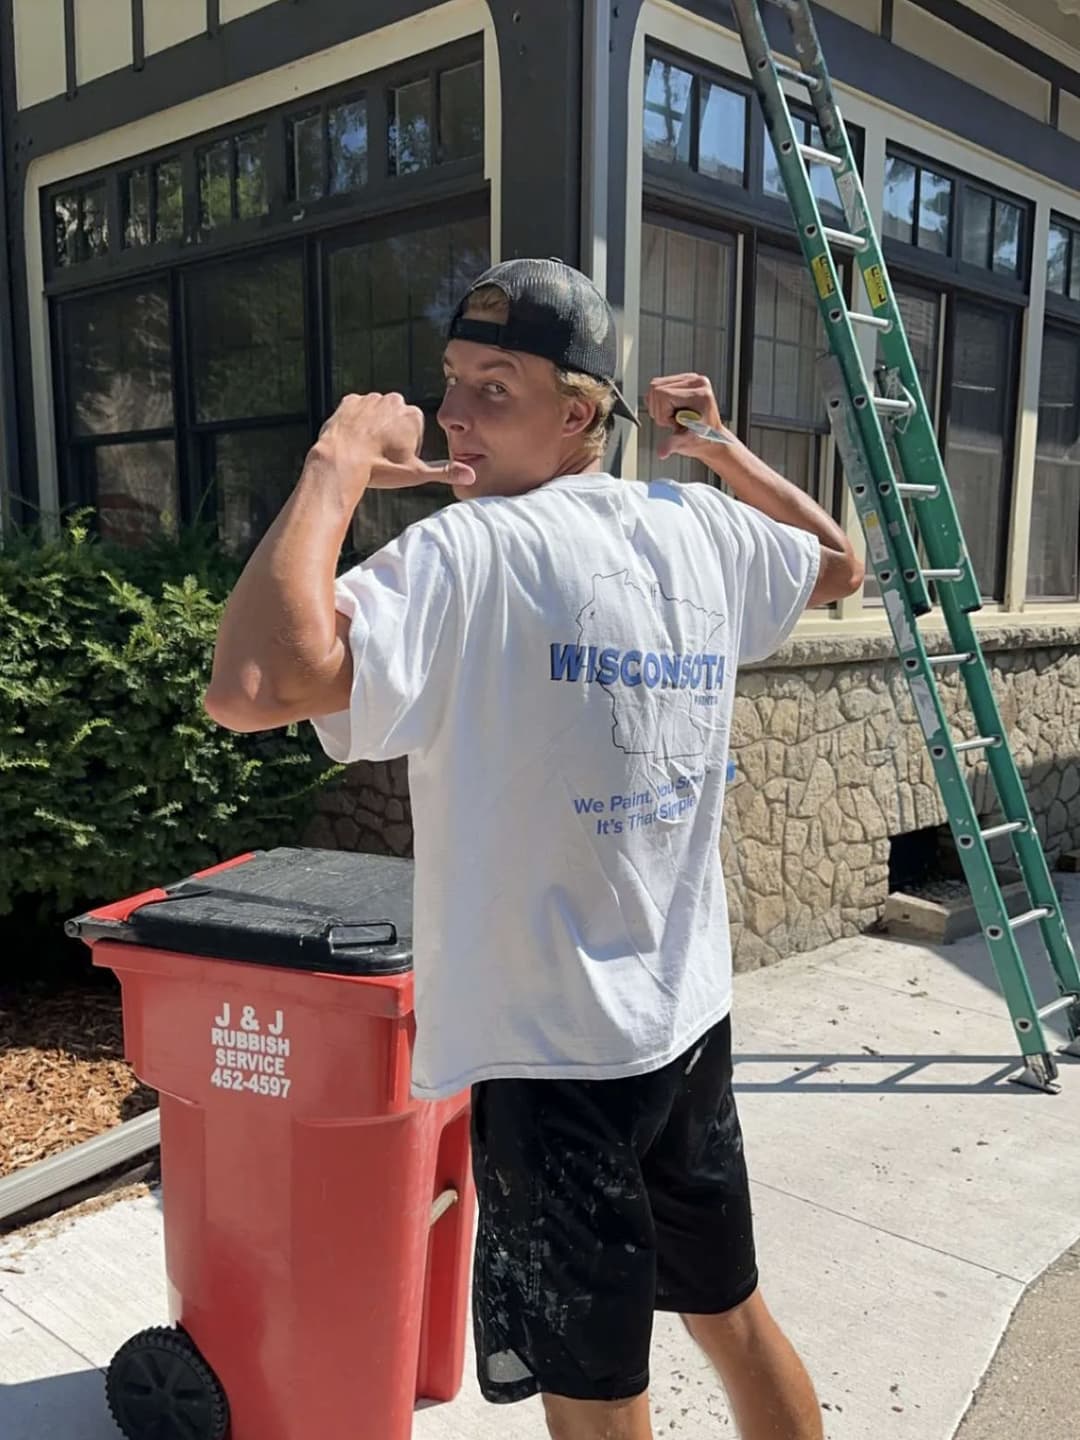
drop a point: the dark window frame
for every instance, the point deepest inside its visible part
(1060, 326)
(196, 490)
(953, 268)
(382, 192)
(680, 182)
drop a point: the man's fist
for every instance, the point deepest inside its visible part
(374, 440)
(671, 393)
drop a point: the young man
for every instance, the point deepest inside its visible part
(557, 658)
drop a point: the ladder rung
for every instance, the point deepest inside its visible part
(886, 406)
(1019, 921)
(845, 239)
(800, 77)
(876, 322)
(961, 659)
(943, 574)
(1007, 829)
(1062, 1003)
(927, 491)
(981, 742)
(821, 157)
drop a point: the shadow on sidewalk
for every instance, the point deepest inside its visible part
(902, 1074)
(71, 1406)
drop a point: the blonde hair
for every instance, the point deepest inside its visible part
(491, 303)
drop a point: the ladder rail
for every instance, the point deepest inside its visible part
(858, 418)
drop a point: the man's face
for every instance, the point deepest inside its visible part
(504, 417)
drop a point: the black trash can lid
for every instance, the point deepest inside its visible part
(326, 910)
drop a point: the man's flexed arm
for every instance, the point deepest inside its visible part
(752, 481)
(282, 650)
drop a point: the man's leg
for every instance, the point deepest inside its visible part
(598, 1420)
(770, 1393)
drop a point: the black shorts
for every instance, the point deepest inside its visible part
(602, 1201)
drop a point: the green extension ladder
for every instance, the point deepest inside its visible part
(864, 418)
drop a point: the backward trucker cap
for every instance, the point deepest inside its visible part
(556, 312)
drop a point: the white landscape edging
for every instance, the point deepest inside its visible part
(46, 1178)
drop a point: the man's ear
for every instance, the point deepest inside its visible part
(579, 416)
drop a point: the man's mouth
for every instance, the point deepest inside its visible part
(464, 457)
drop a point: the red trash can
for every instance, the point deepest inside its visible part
(318, 1220)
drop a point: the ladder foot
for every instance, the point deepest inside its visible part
(1039, 1073)
(1072, 1049)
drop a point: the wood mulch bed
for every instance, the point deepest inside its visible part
(63, 1076)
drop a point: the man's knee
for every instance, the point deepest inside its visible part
(731, 1329)
(596, 1420)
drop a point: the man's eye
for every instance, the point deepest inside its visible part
(494, 388)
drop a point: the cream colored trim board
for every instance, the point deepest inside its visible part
(449, 22)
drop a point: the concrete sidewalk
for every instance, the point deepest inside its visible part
(905, 1195)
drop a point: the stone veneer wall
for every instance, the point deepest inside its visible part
(831, 765)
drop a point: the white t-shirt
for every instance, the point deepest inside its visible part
(559, 668)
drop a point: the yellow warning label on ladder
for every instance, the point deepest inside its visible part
(874, 279)
(823, 277)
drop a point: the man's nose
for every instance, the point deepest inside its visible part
(453, 412)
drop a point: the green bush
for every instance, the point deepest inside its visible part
(112, 776)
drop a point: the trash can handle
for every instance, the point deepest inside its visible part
(344, 934)
(446, 1201)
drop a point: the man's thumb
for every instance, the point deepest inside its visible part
(449, 472)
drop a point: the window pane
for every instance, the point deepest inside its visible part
(1008, 222)
(978, 434)
(687, 319)
(169, 180)
(461, 112)
(668, 122)
(722, 141)
(410, 128)
(66, 228)
(348, 147)
(136, 198)
(136, 493)
(789, 452)
(306, 156)
(899, 199)
(247, 338)
(251, 175)
(1054, 557)
(215, 190)
(823, 177)
(390, 304)
(978, 220)
(95, 226)
(935, 213)
(1074, 280)
(117, 361)
(254, 472)
(788, 339)
(1057, 269)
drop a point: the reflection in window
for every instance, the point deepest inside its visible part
(1054, 556)
(899, 199)
(389, 304)
(118, 354)
(722, 134)
(1007, 222)
(136, 495)
(935, 213)
(785, 395)
(668, 122)
(411, 145)
(253, 473)
(822, 177)
(169, 200)
(687, 319)
(136, 200)
(1057, 264)
(348, 146)
(461, 112)
(978, 434)
(246, 334)
(251, 175)
(215, 186)
(978, 228)
(305, 135)
(80, 224)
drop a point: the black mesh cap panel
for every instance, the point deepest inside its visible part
(555, 312)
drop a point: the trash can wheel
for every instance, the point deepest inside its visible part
(160, 1388)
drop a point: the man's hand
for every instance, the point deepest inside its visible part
(374, 440)
(671, 393)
